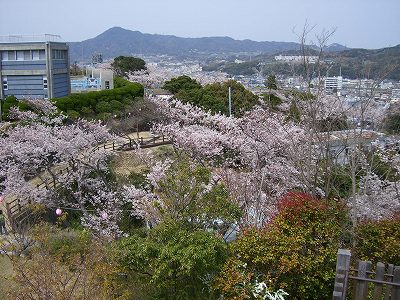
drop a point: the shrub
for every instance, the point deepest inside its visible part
(111, 100)
(173, 262)
(378, 241)
(297, 250)
(103, 107)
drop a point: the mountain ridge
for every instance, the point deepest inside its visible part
(117, 41)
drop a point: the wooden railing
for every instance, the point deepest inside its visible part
(383, 283)
(16, 211)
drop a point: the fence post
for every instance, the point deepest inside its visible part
(396, 279)
(380, 274)
(362, 285)
(389, 279)
(342, 270)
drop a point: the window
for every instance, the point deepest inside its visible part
(27, 55)
(42, 55)
(35, 54)
(11, 55)
(20, 55)
(5, 83)
(58, 54)
(4, 55)
(45, 82)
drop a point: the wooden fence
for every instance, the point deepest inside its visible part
(362, 283)
(16, 212)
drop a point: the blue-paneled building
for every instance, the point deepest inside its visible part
(34, 70)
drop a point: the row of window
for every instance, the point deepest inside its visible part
(58, 54)
(5, 83)
(23, 55)
(31, 55)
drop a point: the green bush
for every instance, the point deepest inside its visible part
(73, 114)
(297, 250)
(101, 102)
(212, 97)
(378, 241)
(103, 107)
(172, 262)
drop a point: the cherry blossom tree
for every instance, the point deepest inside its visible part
(251, 155)
(47, 160)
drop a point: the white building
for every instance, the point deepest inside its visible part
(297, 58)
(334, 83)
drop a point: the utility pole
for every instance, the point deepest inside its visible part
(230, 102)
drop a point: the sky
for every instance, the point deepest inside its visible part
(357, 23)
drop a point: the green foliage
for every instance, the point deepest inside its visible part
(272, 101)
(99, 103)
(187, 199)
(213, 97)
(173, 262)
(12, 101)
(103, 107)
(392, 123)
(297, 250)
(181, 83)
(337, 182)
(73, 114)
(244, 68)
(294, 112)
(378, 241)
(271, 82)
(123, 65)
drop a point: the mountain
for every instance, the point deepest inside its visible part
(351, 63)
(118, 41)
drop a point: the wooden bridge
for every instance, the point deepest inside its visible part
(17, 213)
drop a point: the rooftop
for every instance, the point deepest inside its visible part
(30, 38)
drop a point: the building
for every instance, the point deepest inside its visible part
(297, 58)
(34, 67)
(334, 83)
(95, 80)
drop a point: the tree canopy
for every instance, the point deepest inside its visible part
(123, 65)
(212, 97)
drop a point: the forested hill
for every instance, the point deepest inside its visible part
(118, 41)
(352, 63)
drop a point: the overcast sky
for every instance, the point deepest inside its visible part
(358, 23)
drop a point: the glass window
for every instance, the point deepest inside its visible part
(27, 55)
(5, 83)
(20, 55)
(4, 55)
(58, 54)
(45, 82)
(11, 55)
(35, 54)
(42, 55)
